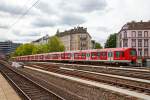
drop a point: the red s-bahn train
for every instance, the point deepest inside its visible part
(110, 55)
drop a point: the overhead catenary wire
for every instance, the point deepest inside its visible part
(34, 4)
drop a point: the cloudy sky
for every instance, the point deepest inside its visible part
(101, 17)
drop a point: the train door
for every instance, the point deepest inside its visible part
(110, 56)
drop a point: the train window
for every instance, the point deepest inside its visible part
(133, 52)
(109, 54)
(83, 54)
(88, 54)
(63, 55)
(117, 54)
(94, 54)
(76, 56)
(68, 55)
(98, 54)
(104, 54)
(122, 54)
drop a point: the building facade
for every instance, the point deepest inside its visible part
(8, 47)
(136, 35)
(75, 39)
(42, 40)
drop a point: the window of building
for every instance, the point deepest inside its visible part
(139, 52)
(133, 34)
(139, 33)
(146, 52)
(139, 42)
(133, 42)
(120, 44)
(145, 33)
(125, 43)
(120, 36)
(125, 34)
(146, 43)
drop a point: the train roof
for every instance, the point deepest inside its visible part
(94, 50)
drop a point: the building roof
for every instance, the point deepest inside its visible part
(76, 30)
(137, 26)
(42, 38)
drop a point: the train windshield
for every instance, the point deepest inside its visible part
(133, 52)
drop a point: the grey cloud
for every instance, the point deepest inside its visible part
(45, 7)
(103, 29)
(43, 22)
(4, 26)
(11, 9)
(83, 5)
(62, 20)
(26, 34)
(14, 9)
(72, 20)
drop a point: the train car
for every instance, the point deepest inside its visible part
(110, 55)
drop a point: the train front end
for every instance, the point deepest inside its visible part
(133, 56)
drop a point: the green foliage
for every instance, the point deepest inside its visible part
(40, 49)
(24, 49)
(111, 41)
(98, 45)
(55, 45)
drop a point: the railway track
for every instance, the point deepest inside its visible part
(119, 82)
(106, 70)
(87, 92)
(26, 88)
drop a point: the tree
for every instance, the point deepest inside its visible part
(24, 49)
(40, 49)
(111, 41)
(55, 45)
(98, 45)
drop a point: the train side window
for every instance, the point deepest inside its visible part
(104, 54)
(83, 55)
(88, 54)
(98, 54)
(93, 54)
(122, 54)
(69, 55)
(76, 56)
(133, 52)
(109, 54)
(117, 54)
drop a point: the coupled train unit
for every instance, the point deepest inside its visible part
(110, 55)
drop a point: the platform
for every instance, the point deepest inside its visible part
(6, 91)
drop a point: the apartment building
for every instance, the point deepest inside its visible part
(8, 47)
(75, 39)
(136, 35)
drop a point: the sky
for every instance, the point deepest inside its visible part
(100, 17)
